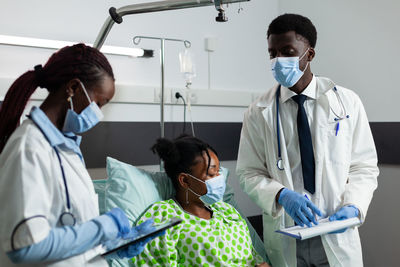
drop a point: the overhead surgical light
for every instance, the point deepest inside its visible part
(54, 44)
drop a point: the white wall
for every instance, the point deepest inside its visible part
(240, 62)
(357, 47)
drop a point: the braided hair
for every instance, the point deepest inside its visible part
(78, 61)
(179, 154)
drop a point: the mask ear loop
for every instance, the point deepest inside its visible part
(86, 93)
(304, 54)
(70, 103)
(308, 62)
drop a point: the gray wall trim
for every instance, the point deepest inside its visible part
(387, 141)
(131, 141)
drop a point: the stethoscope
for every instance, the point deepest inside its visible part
(343, 115)
(66, 218)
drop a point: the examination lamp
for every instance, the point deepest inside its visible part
(54, 44)
(221, 12)
(116, 15)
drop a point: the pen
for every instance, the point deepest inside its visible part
(337, 128)
(315, 216)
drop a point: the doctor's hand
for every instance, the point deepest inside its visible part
(142, 229)
(298, 207)
(344, 213)
(123, 224)
(137, 248)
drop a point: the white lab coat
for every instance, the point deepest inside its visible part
(31, 184)
(345, 170)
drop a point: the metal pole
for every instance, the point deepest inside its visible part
(136, 41)
(117, 14)
(162, 87)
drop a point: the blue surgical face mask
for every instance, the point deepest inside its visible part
(286, 70)
(87, 119)
(215, 189)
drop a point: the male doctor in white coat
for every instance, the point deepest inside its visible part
(306, 151)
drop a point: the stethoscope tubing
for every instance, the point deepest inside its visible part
(67, 213)
(279, 161)
(64, 179)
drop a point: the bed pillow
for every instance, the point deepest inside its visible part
(134, 189)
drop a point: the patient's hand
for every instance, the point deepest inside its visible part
(264, 264)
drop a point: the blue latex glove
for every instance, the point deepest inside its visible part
(344, 213)
(137, 248)
(133, 250)
(142, 229)
(298, 207)
(119, 217)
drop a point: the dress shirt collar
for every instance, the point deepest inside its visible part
(310, 91)
(54, 136)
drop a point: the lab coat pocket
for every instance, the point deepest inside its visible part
(338, 143)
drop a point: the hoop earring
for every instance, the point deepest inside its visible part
(187, 197)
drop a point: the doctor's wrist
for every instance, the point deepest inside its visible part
(279, 194)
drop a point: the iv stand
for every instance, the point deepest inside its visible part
(136, 41)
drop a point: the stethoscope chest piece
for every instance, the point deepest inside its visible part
(67, 219)
(279, 164)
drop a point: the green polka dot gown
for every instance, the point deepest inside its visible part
(224, 240)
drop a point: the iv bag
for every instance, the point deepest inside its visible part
(188, 68)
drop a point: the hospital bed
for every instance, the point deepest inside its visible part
(134, 190)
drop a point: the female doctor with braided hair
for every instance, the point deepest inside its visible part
(49, 212)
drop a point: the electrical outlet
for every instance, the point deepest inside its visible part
(175, 100)
(185, 93)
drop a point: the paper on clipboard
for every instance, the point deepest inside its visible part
(324, 227)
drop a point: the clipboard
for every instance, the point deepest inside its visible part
(324, 226)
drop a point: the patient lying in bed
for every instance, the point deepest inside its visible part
(212, 233)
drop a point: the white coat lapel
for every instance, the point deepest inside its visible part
(321, 115)
(269, 114)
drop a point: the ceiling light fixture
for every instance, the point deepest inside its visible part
(54, 44)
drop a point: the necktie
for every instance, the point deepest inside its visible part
(305, 143)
